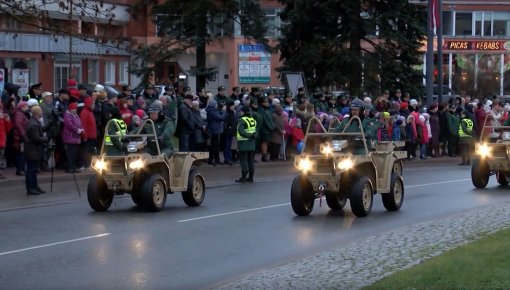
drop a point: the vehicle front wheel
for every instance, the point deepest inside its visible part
(302, 196)
(98, 195)
(154, 193)
(195, 194)
(394, 199)
(502, 177)
(480, 173)
(362, 197)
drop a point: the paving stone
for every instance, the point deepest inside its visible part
(362, 263)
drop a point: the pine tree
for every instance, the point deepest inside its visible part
(332, 42)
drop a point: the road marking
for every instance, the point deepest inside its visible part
(288, 203)
(233, 212)
(55, 244)
(435, 183)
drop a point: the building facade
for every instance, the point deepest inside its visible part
(29, 56)
(476, 46)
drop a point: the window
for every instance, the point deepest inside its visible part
(123, 72)
(463, 23)
(93, 71)
(483, 23)
(109, 72)
(62, 74)
(272, 20)
(13, 23)
(447, 22)
(501, 23)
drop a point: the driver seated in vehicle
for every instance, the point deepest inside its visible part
(165, 128)
(116, 130)
(357, 109)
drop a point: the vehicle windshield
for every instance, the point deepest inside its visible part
(318, 140)
(140, 140)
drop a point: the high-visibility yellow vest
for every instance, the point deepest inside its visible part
(123, 130)
(469, 126)
(251, 126)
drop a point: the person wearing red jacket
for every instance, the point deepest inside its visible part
(89, 136)
(5, 126)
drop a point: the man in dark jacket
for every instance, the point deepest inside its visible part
(230, 132)
(266, 128)
(34, 142)
(215, 118)
(186, 124)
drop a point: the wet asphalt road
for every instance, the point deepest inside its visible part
(238, 230)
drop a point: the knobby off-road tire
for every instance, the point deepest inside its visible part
(394, 199)
(480, 173)
(362, 197)
(302, 196)
(98, 195)
(195, 194)
(502, 177)
(154, 193)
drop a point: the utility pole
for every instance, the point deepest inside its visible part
(430, 54)
(439, 31)
(70, 40)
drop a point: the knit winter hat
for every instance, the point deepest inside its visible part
(413, 102)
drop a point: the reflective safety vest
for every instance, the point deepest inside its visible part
(123, 130)
(251, 126)
(469, 126)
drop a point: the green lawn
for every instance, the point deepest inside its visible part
(484, 264)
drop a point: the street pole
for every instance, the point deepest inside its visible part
(440, 50)
(70, 39)
(430, 55)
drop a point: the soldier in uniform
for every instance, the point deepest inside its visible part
(165, 128)
(356, 109)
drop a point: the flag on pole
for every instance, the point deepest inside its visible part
(436, 18)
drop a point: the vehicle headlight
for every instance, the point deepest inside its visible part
(326, 149)
(483, 150)
(305, 165)
(137, 164)
(345, 164)
(100, 165)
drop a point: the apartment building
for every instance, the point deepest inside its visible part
(29, 55)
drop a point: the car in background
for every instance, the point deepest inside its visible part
(110, 91)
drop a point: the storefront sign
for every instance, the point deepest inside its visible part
(481, 45)
(2, 79)
(21, 77)
(254, 64)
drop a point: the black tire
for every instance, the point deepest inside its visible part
(195, 194)
(136, 197)
(398, 168)
(302, 196)
(502, 177)
(154, 193)
(480, 173)
(336, 200)
(362, 197)
(394, 199)
(98, 195)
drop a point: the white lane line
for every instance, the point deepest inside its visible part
(285, 204)
(233, 212)
(55, 244)
(435, 183)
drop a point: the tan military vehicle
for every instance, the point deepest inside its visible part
(341, 166)
(140, 169)
(493, 151)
